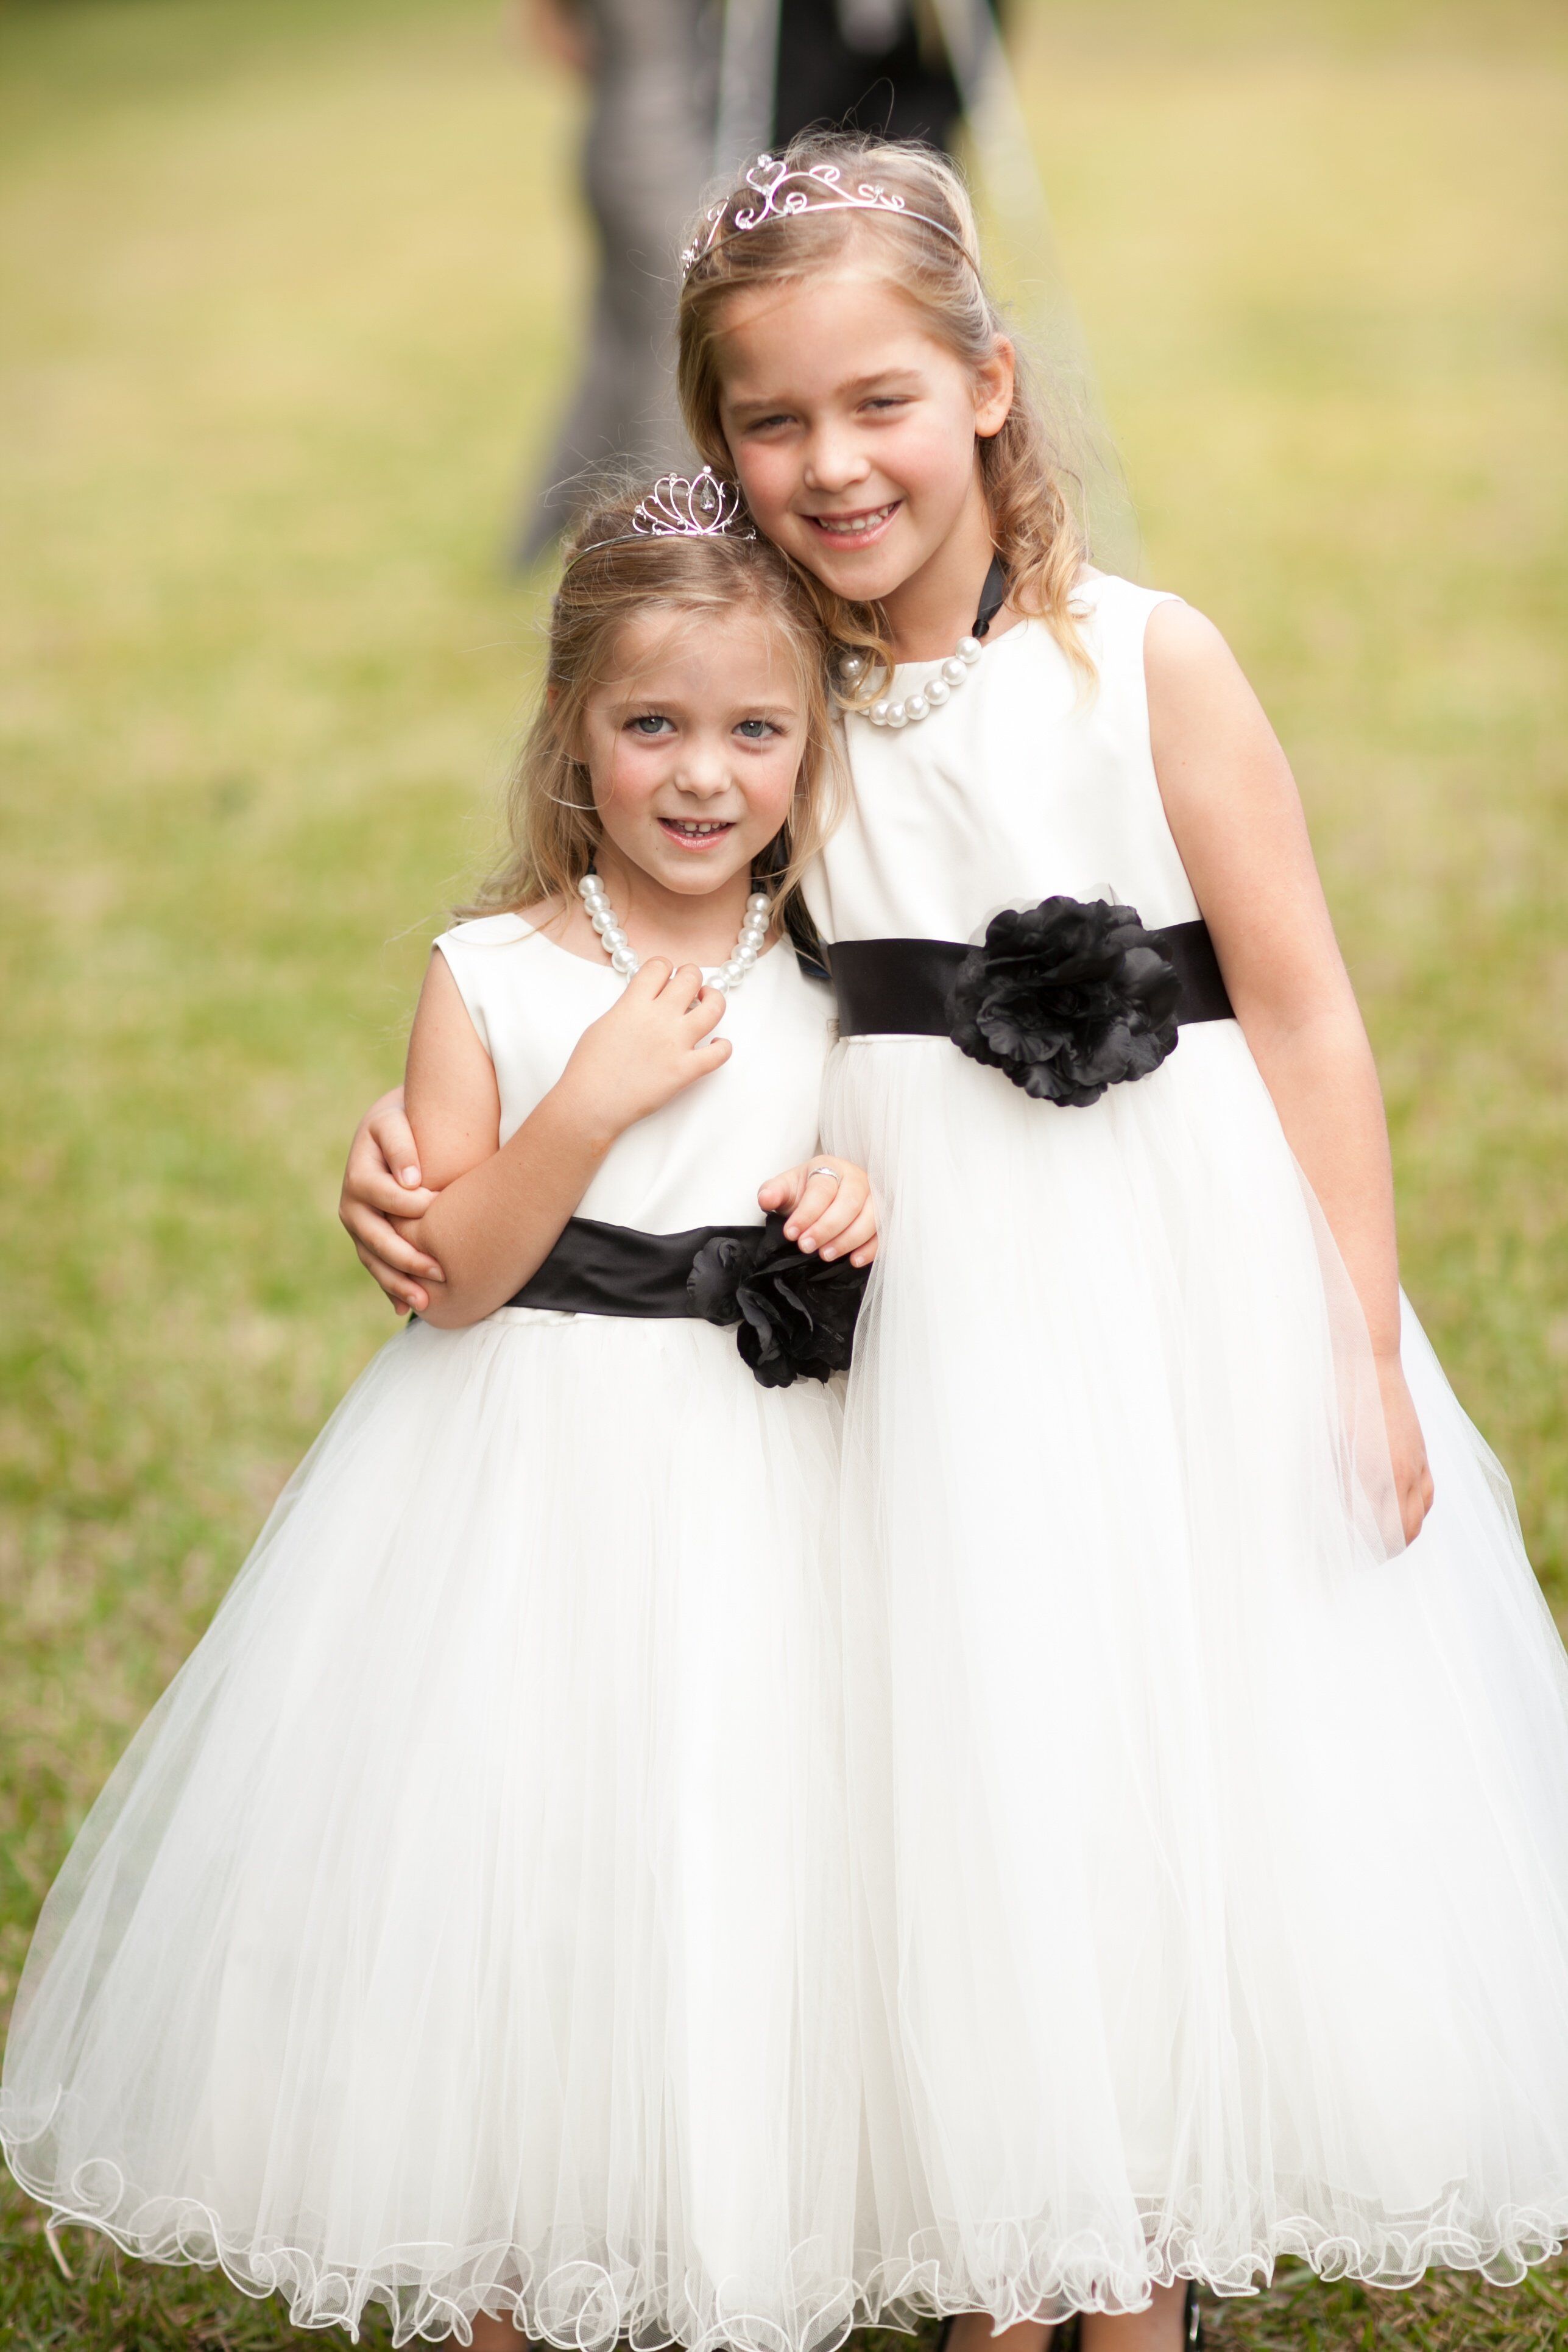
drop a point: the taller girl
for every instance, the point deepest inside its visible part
(1214, 1844)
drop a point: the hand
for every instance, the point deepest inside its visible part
(651, 1046)
(838, 1219)
(381, 1181)
(1411, 1477)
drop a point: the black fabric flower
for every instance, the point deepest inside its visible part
(1068, 997)
(797, 1315)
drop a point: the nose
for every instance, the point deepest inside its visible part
(704, 770)
(833, 461)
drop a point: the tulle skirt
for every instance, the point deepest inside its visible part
(468, 1930)
(1213, 1849)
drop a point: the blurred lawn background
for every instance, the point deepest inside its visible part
(288, 291)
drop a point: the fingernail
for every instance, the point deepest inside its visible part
(790, 1233)
(830, 1251)
(411, 1178)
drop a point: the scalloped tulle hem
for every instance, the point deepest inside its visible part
(1091, 2275)
(432, 2292)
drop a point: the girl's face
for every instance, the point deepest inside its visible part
(852, 429)
(693, 745)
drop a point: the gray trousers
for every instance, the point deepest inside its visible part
(646, 158)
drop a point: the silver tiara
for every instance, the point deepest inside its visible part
(679, 506)
(783, 190)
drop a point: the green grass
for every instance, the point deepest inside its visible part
(288, 288)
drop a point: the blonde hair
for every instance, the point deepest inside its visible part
(1034, 527)
(552, 827)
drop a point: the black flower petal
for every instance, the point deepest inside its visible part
(796, 1316)
(1068, 998)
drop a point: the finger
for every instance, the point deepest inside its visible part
(781, 1192)
(407, 1297)
(377, 1237)
(860, 1229)
(711, 1057)
(393, 1138)
(835, 1220)
(866, 1255)
(706, 1009)
(376, 1188)
(816, 1199)
(649, 978)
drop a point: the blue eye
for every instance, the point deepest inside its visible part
(648, 722)
(754, 730)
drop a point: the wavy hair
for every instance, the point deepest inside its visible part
(552, 827)
(1033, 525)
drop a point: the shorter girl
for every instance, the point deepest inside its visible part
(465, 1931)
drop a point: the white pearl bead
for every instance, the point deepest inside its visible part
(898, 716)
(937, 691)
(852, 668)
(970, 650)
(759, 903)
(623, 962)
(731, 973)
(878, 713)
(916, 707)
(589, 886)
(953, 670)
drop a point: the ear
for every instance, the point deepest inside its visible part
(994, 381)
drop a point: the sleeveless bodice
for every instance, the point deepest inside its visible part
(1032, 780)
(700, 1159)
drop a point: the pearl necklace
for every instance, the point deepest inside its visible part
(914, 708)
(625, 959)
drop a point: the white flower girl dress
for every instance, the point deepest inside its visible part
(1217, 1847)
(467, 1927)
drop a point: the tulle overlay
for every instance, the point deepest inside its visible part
(1220, 1913)
(465, 1928)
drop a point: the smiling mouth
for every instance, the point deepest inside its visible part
(695, 832)
(863, 525)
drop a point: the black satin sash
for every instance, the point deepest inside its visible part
(597, 1269)
(900, 988)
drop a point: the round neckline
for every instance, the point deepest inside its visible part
(533, 931)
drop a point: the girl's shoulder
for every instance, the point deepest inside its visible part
(488, 932)
(1111, 601)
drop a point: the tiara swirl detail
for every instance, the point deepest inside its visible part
(784, 191)
(699, 506)
(679, 505)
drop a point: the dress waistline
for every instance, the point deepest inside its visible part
(599, 1269)
(903, 987)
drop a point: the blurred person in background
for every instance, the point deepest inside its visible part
(667, 79)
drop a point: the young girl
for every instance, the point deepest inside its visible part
(467, 1931)
(1214, 1845)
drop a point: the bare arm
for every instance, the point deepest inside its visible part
(499, 1209)
(1237, 821)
